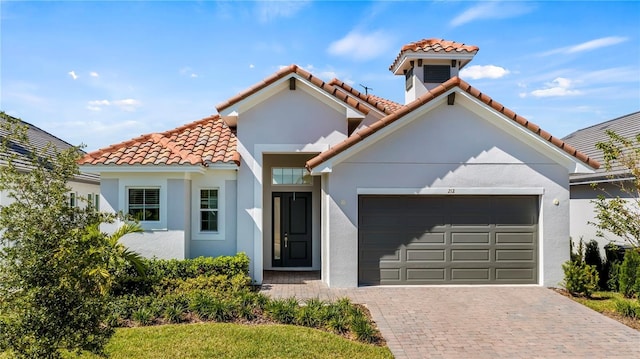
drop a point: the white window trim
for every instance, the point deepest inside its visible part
(123, 199)
(197, 234)
(160, 207)
(290, 184)
(200, 210)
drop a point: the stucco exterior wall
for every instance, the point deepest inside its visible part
(174, 236)
(583, 212)
(289, 122)
(448, 148)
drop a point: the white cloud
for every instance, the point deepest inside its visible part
(94, 74)
(477, 72)
(73, 75)
(491, 10)
(251, 66)
(559, 87)
(128, 104)
(588, 45)
(271, 10)
(188, 71)
(360, 47)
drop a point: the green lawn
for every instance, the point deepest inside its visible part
(601, 301)
(222, 340)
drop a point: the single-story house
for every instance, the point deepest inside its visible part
(607, 182)
(84, 185)
(302, 174)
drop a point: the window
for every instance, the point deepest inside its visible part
(93, 201)
(72, 199)
(290, 176)
(208, 210)
(408, 79)
(144, 204)
(437, 73)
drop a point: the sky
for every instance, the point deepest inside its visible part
(102, 72)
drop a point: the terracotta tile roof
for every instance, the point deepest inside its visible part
(202, 142)
(386, 106)
(285, 72)
(436, 92)
(435, 46)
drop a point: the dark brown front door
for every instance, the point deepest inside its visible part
(291, 229)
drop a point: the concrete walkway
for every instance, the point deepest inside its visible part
(475, 322)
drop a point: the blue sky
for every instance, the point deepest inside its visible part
(100, 73)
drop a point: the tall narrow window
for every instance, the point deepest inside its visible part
(72, 199)
(209, 210)
(144, 203)
(408, 79)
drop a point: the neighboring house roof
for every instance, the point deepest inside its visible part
(40, 139)
(585, 140)
(386, 106)
(285, 72)
(203, 142)
(363, 133)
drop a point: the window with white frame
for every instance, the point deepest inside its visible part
(72, 200)
(93, 201)
(208, 210)
(144, 204)
(290, 176)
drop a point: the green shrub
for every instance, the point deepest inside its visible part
(629, 276)
(174, 313)
(580, 278)
(578, 255)
(282, 310)
(613, 282)
(628, 308)
(312, 314)
(361, 327)
(143, 316)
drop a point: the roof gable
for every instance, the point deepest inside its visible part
(438, 93)
(203, 142)
(297, 72)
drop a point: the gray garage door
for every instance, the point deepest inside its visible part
(447, 240)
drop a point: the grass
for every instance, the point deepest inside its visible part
(227, 340)
(605, 303)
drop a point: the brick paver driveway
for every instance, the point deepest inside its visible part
(477, 322)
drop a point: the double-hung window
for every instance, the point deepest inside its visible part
(144, 204)
(208, 210)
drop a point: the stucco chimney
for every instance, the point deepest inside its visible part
(427, 63)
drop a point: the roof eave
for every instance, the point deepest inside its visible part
(142, 168)
(398, 67)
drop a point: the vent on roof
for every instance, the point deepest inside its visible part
(436, 73)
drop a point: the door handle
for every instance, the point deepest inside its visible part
(286, 240)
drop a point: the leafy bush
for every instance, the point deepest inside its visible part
(580, 278)
(628, 308)
(143, 316)
(578, 255)
(613, 281)
(629, 276)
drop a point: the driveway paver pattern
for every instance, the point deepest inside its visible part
(475, 322)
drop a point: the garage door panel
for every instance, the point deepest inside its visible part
(422, 274)
(516, 238)
(470, 274)
(469, 255)
(429, 255)
(510, 274)
(471, 240)
(515, 255)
